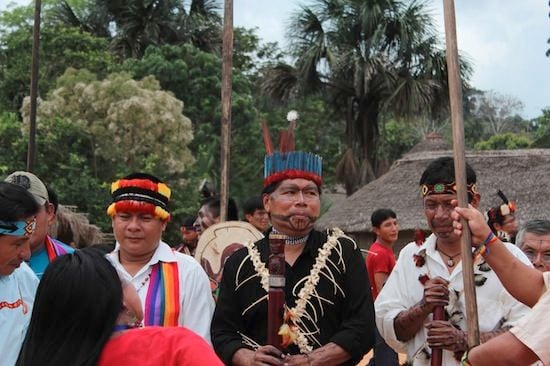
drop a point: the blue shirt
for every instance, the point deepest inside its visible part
(39, 260)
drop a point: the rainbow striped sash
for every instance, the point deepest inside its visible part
(53, 248)
(162, 305)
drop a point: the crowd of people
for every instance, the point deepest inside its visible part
(144, 302)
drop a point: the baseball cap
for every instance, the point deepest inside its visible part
(31, 183)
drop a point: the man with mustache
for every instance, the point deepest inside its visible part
(329, 313)
(429, 274)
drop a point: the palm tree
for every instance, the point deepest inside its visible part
(371, 58)
(133, 25)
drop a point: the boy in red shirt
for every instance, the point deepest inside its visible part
(380, 262)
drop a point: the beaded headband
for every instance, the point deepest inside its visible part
(142, 193)
(18, 228)
(444, 188)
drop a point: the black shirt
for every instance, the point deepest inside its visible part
(344, 312)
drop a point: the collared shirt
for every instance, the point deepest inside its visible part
(534, 329)
(196, 303)
(343, 307)
(496, 307)
(16, 300)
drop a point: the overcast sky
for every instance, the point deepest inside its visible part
(505, 39)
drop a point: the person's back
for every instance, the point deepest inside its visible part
(152, 346)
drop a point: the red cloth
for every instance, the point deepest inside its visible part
(380, 259)
(152, 346)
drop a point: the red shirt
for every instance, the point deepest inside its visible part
(152, 346)
(380, 259)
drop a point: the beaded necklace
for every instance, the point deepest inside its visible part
(145, 280)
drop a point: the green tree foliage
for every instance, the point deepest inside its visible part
(64, 162)
(60, 48)
(542, 130)
(506, 141)
(134, 25)
(132, 125)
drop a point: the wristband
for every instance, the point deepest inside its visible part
(491, 238)
(464, 360)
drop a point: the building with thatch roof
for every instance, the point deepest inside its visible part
(523, 175)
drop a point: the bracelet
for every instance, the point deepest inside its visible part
(491, 238)
(464, 360)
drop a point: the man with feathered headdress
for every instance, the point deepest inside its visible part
(328, 310)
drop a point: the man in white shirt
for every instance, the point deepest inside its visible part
(173, 288)
(18, 282)
(430, 275)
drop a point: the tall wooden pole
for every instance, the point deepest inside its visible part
(457, 117)
(227, 66)
(31, 151)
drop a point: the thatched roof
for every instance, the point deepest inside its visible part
(523, 175)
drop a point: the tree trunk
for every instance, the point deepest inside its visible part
(367, 126)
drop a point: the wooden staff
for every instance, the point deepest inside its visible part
(437, 354)
(31, 152)
(227, 65)
(276, 299)
(457, 118)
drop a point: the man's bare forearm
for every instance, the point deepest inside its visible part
(485, 336)
(407, 323)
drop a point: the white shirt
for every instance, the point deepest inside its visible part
(496, 307)
(196, 302)
(16, 299)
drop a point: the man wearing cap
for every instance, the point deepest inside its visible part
(429, 274)
(43, 247)
(329, 315)
(173, 288)
(18, 283)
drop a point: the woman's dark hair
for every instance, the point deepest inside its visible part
(214, 204)
(16, 202)
(76, 307)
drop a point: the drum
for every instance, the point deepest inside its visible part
(218, 242)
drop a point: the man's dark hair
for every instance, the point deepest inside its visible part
(16, 202)
(81, 294)
(54, 200)
(252, 204)
(188, 221)
(214, 204)
(442, 170)
(381, 215)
